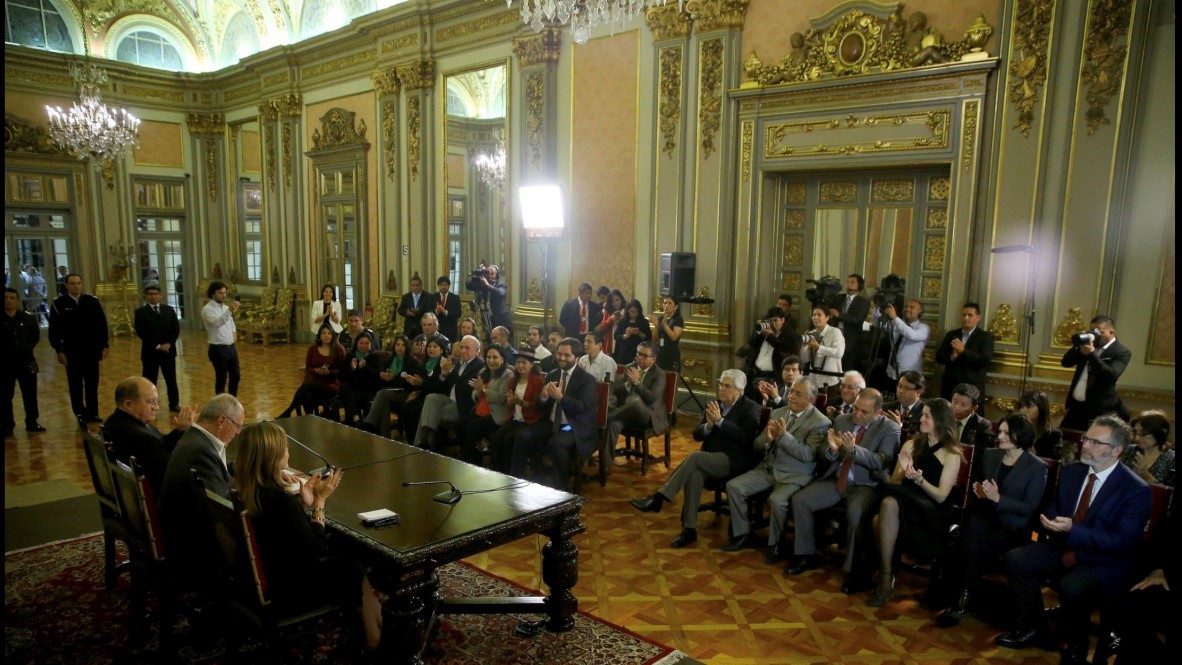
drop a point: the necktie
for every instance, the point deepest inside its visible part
(556, 416)
(1081, 511)
(443, 300)
(846, 307)
(582, 317)
(843, 475)
(156, 310)
(959, 430)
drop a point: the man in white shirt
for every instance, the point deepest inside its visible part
(536, 338)
(595, 362)
(908, 335)
(218, 318)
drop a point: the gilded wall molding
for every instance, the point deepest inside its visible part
(933, 132)
(399, 43)
(1029, 59)
(162, 94)
(711, 15)
(234, 94)
(288, 106)
(535, 114)
(390, 139)
(838, 192)
(1003, 326)
(534, 292)
(892, 190)
(278, 78)
(268, 112)
(1105, 50)
(22, 136)
(414, 126)
(285, 129)
(337, 64)
(272, 174)
(709, 92)
(667, 22)
(931, 287)
(968, 136)
(42, 77)
(1071, 324)
(703, 310)
(794, 250)
(339, 130)
(669, 103)
(386, 83)
(205, 123)
(501, 18)
(211, 168)
(934, 251)
(698, 371)
(747, 144)
(415, 76)
(538, 49)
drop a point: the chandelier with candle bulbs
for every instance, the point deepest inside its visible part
(583, 15)
(91, 129)
(490, 166)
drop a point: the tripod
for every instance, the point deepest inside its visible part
(690, 390)
(484, 314)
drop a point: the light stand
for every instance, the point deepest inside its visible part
(1032, 273)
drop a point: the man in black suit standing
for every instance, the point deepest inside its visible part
(1098, 365)
(131, 431)
(727, 431)
(158, 328)
(581, 314)
(568, 397)
(849, 319)
(447, 308)
(965, 353)
(414, 303)
(78, 332)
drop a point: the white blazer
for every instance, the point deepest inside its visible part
(828, 357)
(318, 310)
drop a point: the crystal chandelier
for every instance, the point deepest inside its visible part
(90, 129)
(583, 15)
(490, 167)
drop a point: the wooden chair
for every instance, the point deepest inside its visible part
(602, 390)
(642, 436)
(821, 401)
(146, 544)
(100, 460)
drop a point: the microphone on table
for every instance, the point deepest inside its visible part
(450, 496)
(327, 469)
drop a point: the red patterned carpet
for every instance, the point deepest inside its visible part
(57, 611)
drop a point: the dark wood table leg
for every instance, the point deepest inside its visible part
(408, 614)
(560, 572)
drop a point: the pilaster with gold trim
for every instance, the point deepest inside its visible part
(391, 223)
(210, 192)
(280, 121)
(424, 239)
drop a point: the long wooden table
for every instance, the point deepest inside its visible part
(495, 509)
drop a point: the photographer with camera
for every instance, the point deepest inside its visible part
(821, 350)
(1099, 360)
(848, 314)
(766, 350)
(491, 292)
(906, 338)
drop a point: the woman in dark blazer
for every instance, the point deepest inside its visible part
(1006, 508)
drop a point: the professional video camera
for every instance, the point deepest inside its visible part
(480, 271)
(1089, 337)
(890, 292)
(826, 292)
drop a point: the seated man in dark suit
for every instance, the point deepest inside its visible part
(775, 394)
(727, 430)
(1095, 522)
(202, 447)
(971, 429)
(907, 408)
(1098, 365)
(568, 397)
(640, 394)
(450, 407)
(131, 433)
(861, 446)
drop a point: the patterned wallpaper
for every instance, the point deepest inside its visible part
(603, 164)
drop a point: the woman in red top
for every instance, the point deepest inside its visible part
(522, 400)
(608, 301)
(322, 369)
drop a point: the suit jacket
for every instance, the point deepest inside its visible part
(910, 419)
(464, 402)
(828, 358)
(733, 436)
(182, 517)
(578, 405)
(78, 329)
(1021, 493)
(978, 433)
(411, 315)
(793, 457)
(651, 391)
(970, 366)
(850, 323)
(1104, 368)
(132, 438)
(1111, 530)
(156, 329)
(786, 343)
(449, 321)
(880, 442)
(569, 317)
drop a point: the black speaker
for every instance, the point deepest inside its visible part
(677, 275)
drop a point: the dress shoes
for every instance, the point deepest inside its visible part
(1076, 655)
(686, 537)
(740, 543)
(1025, 638)
(650, 504)
(34, 427)
(802, 565)
(952, 615)
(854, 583)
(776, 553)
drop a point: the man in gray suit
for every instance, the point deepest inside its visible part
(640, 392)
(795, 434)
(862, 445)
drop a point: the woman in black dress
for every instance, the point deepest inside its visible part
(914, 500)
(291, 542)
(360, 378)
(429, 383)
(631, 330)
(669, 326)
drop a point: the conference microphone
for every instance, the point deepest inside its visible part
(1014, 249)
(325, 470)
(450, 496)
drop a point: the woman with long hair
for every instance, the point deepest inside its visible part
(395, 388)
(604, 296)
(431, 382)
(360, 378)
(291, 542)
(467, 327)
(521, 400)
(489, 389)
(322, 369)
(327, 310)
(1152, 455)
(669, 326)
(915, 499)
(631, 329)
(1048, 440)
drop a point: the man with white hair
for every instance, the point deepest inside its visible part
(727, 430)
(446, 409)
(852, 383)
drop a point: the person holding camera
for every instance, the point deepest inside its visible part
(766, 350)
(849, 320)
(1099, 360)
(822, 350)
(486, 282)
(965, 353)
(907, 337)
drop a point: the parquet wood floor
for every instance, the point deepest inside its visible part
(714, 606)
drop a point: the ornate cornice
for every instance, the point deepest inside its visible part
(268, 112)
(419, 75)
(1105, 50)
(711, 15)
(539, 49)
(206, 123)
(338, 130)
(288, 106)
(668, 23)
(386, 83)
(1029, 58)
(501, 18)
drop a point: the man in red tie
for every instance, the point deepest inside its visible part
(447, 309)
(581, 314)
(1095, 523)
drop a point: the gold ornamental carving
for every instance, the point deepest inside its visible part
(839, 192)
(795, 193)
(414, 142)
(709, 93)
(386, 83)
(539, 49)
(703, 310)
(794, 250)
(22, 136)
(417, 75)
(1105, 50)
(336, 65)
(968, 138)
(206, 123)
(278, 78)
(534, 292)
(286, 131)
(937, 218)
(1071, 324)
(272, 175)
(747, 143)
(711, 15)
(667, 22)
(932, 125)
(211, 168)
(268, 112)
(288, 106)
(794, 219)
(399, 43)
(893, 191)
(152, 93)
(108, 174)
(933, 253)
(939, 189)
(931, 287)
(698, 371)
(1003, 404)
(792, 281)
(36, 76)
(669, 103)
(390, 139)
(535, 114)
(481, 24)
(1029, 59)
(1003, 326)
(338, 130)
(234, 94)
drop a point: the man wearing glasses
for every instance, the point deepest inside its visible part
(908, 405)
(131, 431)
(1095, 523)
(640, 392)
(727, 431)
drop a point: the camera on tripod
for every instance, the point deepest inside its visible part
(826, 292)
(1089, 337)
(481, 271)
(890, 292)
